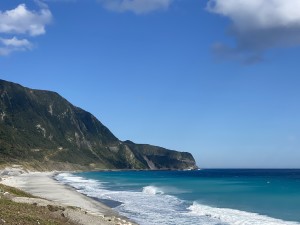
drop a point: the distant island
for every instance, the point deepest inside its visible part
(41, 130)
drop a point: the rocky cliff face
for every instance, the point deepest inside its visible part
(42, 130)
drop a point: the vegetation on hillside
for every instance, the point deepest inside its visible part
(41, 129)
(27, 214)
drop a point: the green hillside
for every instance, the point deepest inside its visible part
(42, 130)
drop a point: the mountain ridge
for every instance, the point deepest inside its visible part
(42, 130)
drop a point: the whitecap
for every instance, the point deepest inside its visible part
(152, 190)
(153, 205)
(235, 217)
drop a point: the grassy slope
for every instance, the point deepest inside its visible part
(26, 214)
(43, 131)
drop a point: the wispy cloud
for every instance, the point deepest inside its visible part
(136, 6)
(14, 44)
(257, 25)
(60, 1)
(21, 21)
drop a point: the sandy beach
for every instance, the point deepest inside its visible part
(84, 210)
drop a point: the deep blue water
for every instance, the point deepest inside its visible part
(218, 197)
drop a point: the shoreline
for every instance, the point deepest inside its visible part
(44, 186)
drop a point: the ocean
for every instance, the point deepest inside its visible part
(208, 197)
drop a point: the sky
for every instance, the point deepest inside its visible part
(217, 78)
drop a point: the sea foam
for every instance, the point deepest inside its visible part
(235, 217)
(151, 205)
(152, 190)
(77, 182)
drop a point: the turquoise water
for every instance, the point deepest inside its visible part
(217, 197)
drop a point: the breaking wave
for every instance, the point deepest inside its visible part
(152, 205)
(235, 217)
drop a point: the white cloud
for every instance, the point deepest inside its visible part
(14, 44)
(67, 1)
(22, 21)
(258, 25)
(136, 6)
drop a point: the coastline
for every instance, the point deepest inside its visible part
(85, 211)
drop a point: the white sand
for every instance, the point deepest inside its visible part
(41, 184)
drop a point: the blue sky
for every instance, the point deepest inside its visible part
(217, 78)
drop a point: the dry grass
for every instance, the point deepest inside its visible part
(13, 213)
(14, 191)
